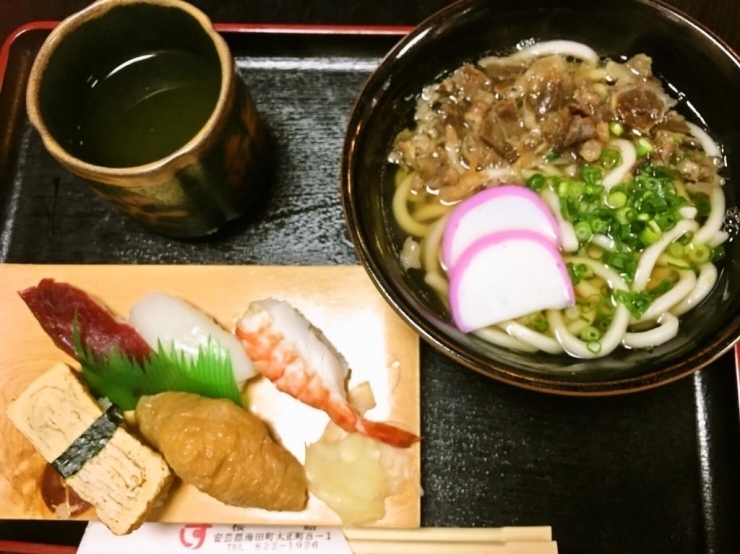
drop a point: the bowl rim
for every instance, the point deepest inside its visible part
(372, 88)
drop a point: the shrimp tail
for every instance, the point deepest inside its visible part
(348, 418)
(387, 433)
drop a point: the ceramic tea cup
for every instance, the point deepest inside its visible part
(141, 99)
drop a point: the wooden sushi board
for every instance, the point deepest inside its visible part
(341, 300)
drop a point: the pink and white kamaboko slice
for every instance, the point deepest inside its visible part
(498, 209)
(506, 275)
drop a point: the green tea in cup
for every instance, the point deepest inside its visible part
(141, 98)
(146, 108)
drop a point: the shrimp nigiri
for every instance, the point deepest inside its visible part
(287, 349)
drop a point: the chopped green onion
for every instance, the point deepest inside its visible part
(680, 267)
(583, 231)
(579, 272)
(636, 303)
(625, 215)
(539, 323)
(575, 189)
(675, 249)
(585, 271)
(667, 220)
(701, 203)
(686, 238)
(651, 183)
(644, 147)
(536, 182)
(610, 158)
(624, 262)
(699, 253)
(618, 260)
(570, 189)
(594, 347)
(650, 234)
(633, 215)
(587, 305)
(575, 278)
(552, 181)
(718, 252)
(591, 174)
(590, 334)
(616, 128)
(593, 191)
(566, 209)
(616, 199)
(598, 225)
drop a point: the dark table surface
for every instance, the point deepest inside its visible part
(469, 483)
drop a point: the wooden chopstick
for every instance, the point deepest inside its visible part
(453, 534)
(447, 547)
(441, 540)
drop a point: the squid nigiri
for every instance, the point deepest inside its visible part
(296, 356)
(162, 318)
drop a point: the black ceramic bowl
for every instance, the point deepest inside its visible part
(687, 56)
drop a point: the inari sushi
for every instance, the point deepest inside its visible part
(223, 450)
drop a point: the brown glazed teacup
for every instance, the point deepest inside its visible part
(141, 98)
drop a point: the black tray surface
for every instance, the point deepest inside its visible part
(651, 472)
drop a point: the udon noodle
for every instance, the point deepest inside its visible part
(635, 189)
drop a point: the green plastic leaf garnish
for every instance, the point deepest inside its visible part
(123, 380)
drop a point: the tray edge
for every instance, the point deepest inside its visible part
(267, 28)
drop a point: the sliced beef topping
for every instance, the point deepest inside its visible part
(639, 106)
(581, 128)
(436, 172)
(554, 126)
(499, 135)
(511, 111)
(673, 122)
(469, 80)
(548, 85)
(665, 147)
(477, 154)
(501, 74)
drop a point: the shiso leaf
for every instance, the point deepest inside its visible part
(123, 380)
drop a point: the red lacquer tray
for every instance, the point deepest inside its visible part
(650, 472)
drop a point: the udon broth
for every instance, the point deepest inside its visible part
(635, 188)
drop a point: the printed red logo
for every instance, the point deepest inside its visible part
(193, 535)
